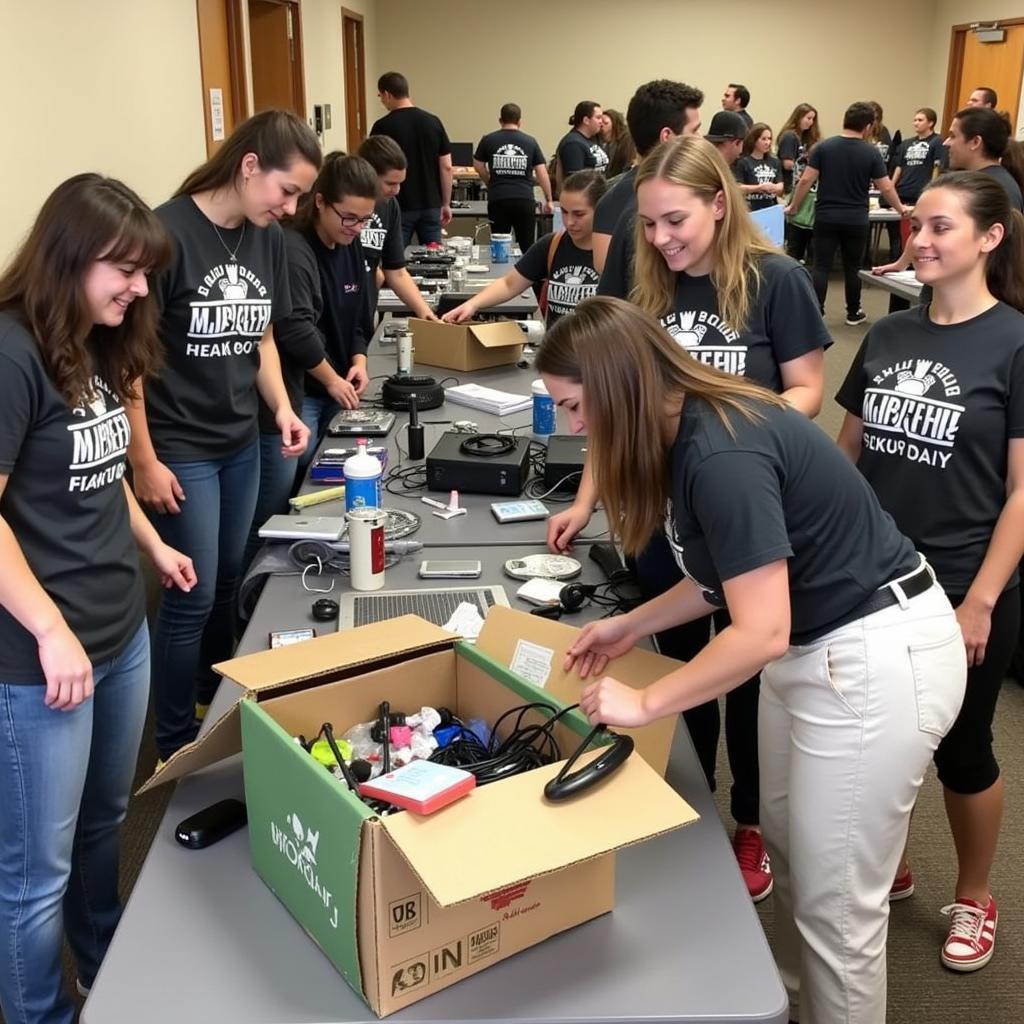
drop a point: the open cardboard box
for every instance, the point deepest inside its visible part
(405, 905)
(469, 346)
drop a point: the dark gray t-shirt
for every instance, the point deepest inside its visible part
(422, 138)
(847, 168)
(617, 276)
(65, 503)
(1009, 183)
(510, 156)
(382, 244)
(572, 278)
(939, 405)
(779, 489)
(784, 323)
(578, 153)
(917, 160)
(791, 148)
(204, 403)
(766, 171)
(621, 196)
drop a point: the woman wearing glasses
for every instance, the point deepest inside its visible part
(323, 340)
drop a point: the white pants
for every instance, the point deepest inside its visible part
(846, 728)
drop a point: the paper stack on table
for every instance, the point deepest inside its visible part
(903, 276)
(500, 403)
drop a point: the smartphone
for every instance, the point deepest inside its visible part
(286, 637)
(519, 511)
(436, 568)
(303, 527)
(207, 826)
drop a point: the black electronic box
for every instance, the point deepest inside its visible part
(566, 455)
(452, 465)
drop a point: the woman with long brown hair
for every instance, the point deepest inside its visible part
(195, 431)
(77, 334)
(860, 653)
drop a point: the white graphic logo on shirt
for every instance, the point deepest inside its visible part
(708, 338)
(600, 157)
(907, 413)
(241, 313)
(765, 174)
(373, 234)
(710, 595)
(569, 286)
(99, 441)
(510, 159)
(916, 153)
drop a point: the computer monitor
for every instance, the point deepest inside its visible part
(462, 154)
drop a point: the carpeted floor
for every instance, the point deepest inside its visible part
(921, 991)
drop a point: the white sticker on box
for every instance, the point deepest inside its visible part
(532, 662)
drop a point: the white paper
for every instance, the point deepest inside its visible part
(500, 403)
(465, 621)
(532, 662)
(217, 114)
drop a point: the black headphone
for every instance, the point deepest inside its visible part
(571, 598)
(568, 783)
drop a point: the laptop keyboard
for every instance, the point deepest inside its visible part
(434, 606)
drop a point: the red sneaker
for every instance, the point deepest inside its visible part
(902, 886)
(972, 934)
(748, 845)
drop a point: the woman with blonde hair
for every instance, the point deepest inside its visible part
(732, 301)
(863, 662)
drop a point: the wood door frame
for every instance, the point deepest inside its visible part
(957, 42)
(237, 66)
(360, 73)
(298, 64)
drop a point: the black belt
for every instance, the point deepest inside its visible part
(886, 597)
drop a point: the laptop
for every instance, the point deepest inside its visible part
(436, 604)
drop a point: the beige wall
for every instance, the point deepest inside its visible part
(117, 89)
(828, 54)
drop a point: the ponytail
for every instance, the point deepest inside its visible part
(1006, 264)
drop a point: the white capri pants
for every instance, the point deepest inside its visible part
(846, 728)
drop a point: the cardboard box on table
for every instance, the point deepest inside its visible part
(405, 905)
(469, 346)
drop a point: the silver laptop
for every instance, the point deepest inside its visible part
(436, 604)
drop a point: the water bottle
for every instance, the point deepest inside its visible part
(363, 474)
(543, 410)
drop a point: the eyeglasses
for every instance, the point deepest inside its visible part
(347, 220)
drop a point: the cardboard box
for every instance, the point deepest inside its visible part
(469, 346)
(405, 905)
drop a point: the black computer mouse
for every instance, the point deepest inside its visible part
(324, 609)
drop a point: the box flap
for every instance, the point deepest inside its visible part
(507, 832)
(540, 660)
(336, 652)
(223, 739)
(497, 335)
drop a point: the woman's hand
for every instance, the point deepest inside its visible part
(975, 624)
(598, 643)
(460, 314)
(294, 433)
(609, 702)
(66, 668)
(157, 488)
(886, 268)
(174, 568)
(564, 526)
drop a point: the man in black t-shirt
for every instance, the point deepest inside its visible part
(507, 161)
(977, 140)
(426, 197)
(580, 149)
(726, 133)
(735, 99)
(657, 111)
(847, 166)
(918, 157)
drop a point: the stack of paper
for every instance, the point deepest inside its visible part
(500, 403)
(903, 276)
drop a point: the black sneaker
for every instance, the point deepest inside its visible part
(852, 320)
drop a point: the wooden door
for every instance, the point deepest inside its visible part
(220, 46)
(276, 52)
(998, 66)
(355, 79)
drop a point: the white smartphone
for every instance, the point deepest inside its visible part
(437, 568)
(519, 511)
(303, 528)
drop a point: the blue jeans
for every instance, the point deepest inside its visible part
(277, 481)
(426, 224)
(197, 629)
(317, 412)
(65, 777)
